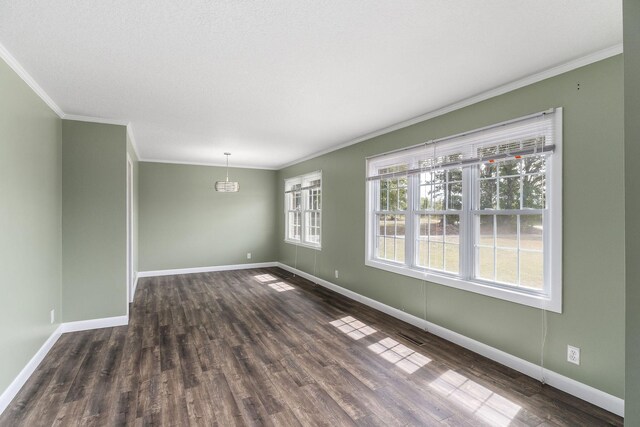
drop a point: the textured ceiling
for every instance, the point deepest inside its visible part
(275, 81)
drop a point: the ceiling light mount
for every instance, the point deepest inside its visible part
(227, 186)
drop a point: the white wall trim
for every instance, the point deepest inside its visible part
(517, 84)
(220, 165)
(26, 77)
(132, 138)
(135, 284)
(85, 325)
(206, 269)
(583, 391)
(7, 396)
(90, 119)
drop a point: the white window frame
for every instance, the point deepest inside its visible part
(303, 181)
(549, 299)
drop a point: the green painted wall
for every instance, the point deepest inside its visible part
(93, 220)
(30, 223)
(185, 223)
(594, 284)
(631, 13)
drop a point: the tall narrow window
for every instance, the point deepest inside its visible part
(303, 209)
(481, 211)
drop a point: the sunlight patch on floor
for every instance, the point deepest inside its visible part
(281, 286)
(484, 403)
(353, 327)
(400, 355)
(264, 278)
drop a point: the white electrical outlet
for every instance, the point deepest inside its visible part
(248, 255)
(336, 274)
(573, 355)
(52, 314)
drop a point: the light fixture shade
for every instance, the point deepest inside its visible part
(227, 186)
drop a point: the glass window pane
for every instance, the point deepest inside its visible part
(454, 196)
(507, 266)
(402, 198)
(436, 258)
(384, 195)
(381, 246)
(485, 268)
(294, 225)
(312, 227)
(426, 178)
(488, 170)
(509, 168)
(399, 249)
(534, 164)
(452, 229)
(389, 252)
(533, 191)
(436, 197)
(455, 175)
(436, 228)
(488, 192)
(452, 258)
(510, 193)
(507, 231)
(531, 231)
(381, 225)
(423, 252)
(486, 230)
(400, 225)
(424, 196)
(532, 269)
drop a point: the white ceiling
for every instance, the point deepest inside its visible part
(276, 81)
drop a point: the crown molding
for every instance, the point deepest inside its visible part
(91, 119)
(26, 77)
(221, 165)
(500, 90)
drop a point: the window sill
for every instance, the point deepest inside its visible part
(512, 295)
(304, 245)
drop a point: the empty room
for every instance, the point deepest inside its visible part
(337, 213)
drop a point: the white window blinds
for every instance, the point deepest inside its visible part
(526, 136)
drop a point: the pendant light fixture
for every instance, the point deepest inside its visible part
(227, 186)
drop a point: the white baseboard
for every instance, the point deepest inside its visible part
(205, 269)
(583, 391)
(83, 325)
(7, 396)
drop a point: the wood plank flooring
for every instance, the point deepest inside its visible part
(258, 347)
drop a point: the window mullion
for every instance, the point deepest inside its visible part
(412, 230)
(466, 223)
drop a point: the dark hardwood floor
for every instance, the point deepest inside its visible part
(257, 347)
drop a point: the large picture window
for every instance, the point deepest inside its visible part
(303, 209)
(480, 211)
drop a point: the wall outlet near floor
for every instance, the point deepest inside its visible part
(52, 315)
(337, 275)
(573, 355)
(248, 255)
